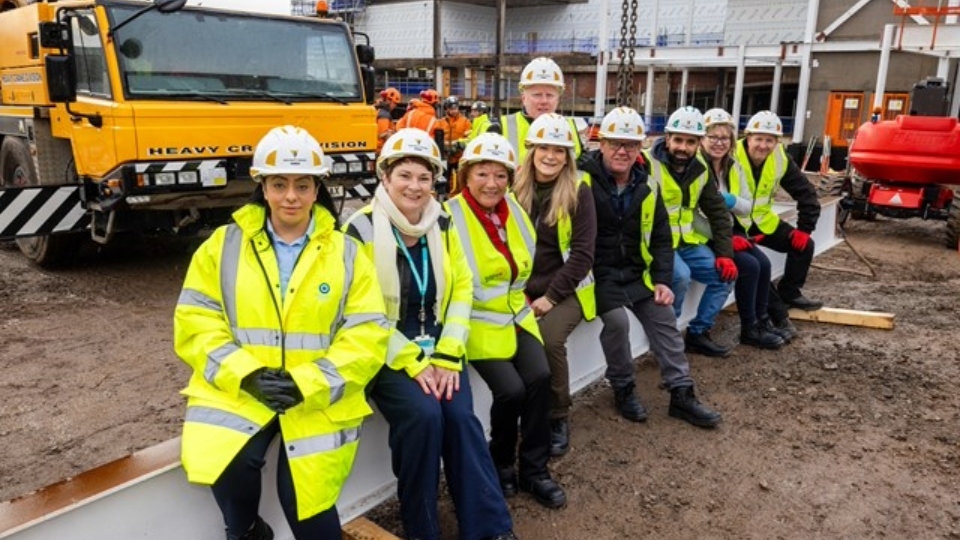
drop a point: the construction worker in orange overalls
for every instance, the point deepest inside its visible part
(456, 132)
(421, 113)
(389, 99)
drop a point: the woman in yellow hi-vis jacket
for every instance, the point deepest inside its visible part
(505, 345)
(282, 320)
(423, 391)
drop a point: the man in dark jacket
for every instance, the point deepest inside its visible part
(761, 167)
(633, 268)
(690, 193)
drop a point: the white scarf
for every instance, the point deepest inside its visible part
(386, 216)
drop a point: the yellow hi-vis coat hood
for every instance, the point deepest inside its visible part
(329, 332)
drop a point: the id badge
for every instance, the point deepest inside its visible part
(427, 343)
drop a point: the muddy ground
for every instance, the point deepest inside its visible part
(847, 433)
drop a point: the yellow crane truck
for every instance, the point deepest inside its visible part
(120, 115)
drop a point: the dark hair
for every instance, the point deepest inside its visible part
(388, 170)
(324, 199)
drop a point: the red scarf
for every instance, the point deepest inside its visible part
(502, 210)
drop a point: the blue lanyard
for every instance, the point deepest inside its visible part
(421, 282)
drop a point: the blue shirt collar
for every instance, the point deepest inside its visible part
(296, 243)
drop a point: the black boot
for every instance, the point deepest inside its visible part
(628, 405)
(703, 344)
(508, 481)
(545, 490)
(259, 531)
(559, 437)
(802, 302)
(783, 328)
(685, 406)
(757, 335)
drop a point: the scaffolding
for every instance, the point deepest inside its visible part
(924, 9)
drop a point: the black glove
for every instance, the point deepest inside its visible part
(274, 388)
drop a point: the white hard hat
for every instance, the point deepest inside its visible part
(623, 123)
(552, 129)
(765, 122)
(687, 120)
(288, 150)
(409, 142)
(490, 147)
(541, 71)
(718, 117)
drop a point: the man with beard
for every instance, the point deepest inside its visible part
(688, 188)
(633, 267)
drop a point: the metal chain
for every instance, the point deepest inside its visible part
(626, 52)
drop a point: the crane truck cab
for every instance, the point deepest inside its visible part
(124, 115)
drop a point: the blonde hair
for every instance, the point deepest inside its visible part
(563, 200)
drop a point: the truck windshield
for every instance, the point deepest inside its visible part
(191, 54)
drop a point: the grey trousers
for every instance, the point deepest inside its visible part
(660, 325)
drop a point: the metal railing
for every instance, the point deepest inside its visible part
(570, 45)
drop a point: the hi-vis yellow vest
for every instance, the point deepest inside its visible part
(681, 217)
(453, 313)
(760, 193)
(498, 304)
(648, 209)
(585, 289)
(515, 127)
(329, 332)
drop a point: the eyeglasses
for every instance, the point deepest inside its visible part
(718, 140)
(629, 146)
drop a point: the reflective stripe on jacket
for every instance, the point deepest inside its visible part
(498, 303)
(682, 216)
(760, 194)
(515, 127)
(453, 314)
(329, 332)
(586, 288)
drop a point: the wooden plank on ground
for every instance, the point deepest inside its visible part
(364, 529)
(852, 317)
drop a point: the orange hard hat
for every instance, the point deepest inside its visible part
(430, 96)
(391, 94)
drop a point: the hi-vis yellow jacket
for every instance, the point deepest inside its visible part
(498, 304)
(760, 191)
(453, 314)
(515, 127)
(329, 332)
(681, 217)
(586, 288)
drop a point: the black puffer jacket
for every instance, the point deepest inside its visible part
(618, 265)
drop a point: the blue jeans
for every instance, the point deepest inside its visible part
(422, 431)
(699, 263)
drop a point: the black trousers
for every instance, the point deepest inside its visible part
(794, 272)
(521, 392)
(237, 492)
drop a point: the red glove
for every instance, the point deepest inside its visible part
(799, 240)
(758, 238)
(726, 268)
(740, 243)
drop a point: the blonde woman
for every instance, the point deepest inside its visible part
(561, 285)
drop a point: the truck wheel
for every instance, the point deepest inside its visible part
(953, 222)
(17, 169)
